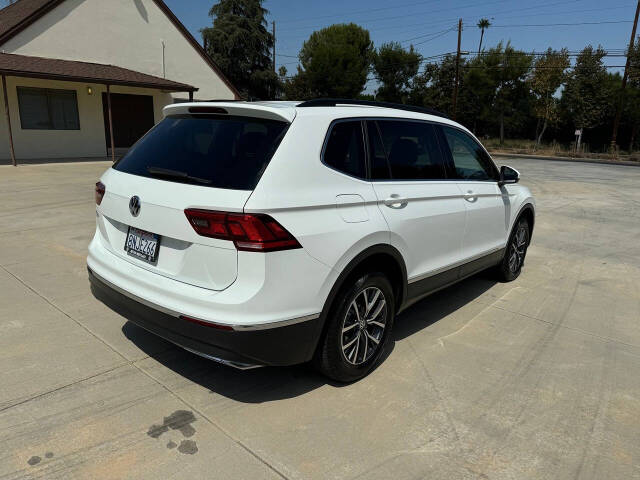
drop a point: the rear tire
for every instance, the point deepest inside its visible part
(515, 253)
(358, 328)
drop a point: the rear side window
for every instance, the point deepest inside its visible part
(222, 152)
(344, 150)
(412, 150)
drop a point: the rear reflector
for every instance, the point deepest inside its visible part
(206, 324)
(99, 192)
(249, 232)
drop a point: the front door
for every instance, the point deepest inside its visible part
(422, 206)
(132, 117)
(485, 230)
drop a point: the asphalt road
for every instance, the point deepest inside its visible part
(535, 379)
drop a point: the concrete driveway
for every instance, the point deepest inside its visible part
(535, 379)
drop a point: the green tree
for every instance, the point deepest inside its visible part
(334, 62)
(476, 96)
(632, 105)
(508, 68)
(395, 67)
(586, 97)
(483, 25)
(433, 88)
(549, 73)
(240, 44)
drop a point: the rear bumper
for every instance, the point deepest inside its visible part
(278, 346)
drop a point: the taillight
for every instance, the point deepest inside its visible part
(249, 232)
(100, 189)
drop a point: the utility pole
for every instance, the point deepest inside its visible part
(273, 29)
(616, 122)
(455, 87)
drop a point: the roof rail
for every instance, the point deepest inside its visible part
(332, 102)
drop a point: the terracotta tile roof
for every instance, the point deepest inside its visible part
(69, 70)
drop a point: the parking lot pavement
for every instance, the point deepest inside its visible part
(533, 379)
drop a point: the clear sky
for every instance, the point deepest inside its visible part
(430, 24)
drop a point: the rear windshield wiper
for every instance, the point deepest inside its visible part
(167, 172)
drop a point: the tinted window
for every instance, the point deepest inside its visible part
(345, 149)
(469, 158)
(412, 150)
(222, 152)
(378, 157)
(46, 109)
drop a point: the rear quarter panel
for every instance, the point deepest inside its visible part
(333, 216)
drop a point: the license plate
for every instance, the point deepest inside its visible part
(142, 245)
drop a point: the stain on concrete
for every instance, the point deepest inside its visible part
(188, 447)
(156, 430)
(35, 460)
(181, 421)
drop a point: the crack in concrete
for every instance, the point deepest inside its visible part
(133, 363)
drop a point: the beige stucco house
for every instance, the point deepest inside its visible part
(83, 75)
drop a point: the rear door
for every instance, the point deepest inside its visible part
(422, 206)
(487, 207)
(209, 162)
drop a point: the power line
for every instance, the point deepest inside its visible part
(458, 8)
(561, 24)
(470, 20)
(429, 12)
(435, 35)
(395, 7)
(541, 68)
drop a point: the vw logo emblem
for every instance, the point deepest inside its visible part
(134, 205)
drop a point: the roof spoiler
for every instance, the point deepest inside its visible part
(241, 109)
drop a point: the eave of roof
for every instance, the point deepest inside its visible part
(22, 19)
(19, 15)
(73, 71)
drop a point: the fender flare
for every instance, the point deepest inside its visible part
(526, 207)
(355, 263)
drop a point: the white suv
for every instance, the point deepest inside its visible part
(277, 233)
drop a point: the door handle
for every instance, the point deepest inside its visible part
(396, 201)
(470, 196)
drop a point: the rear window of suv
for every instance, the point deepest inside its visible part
(222, 152)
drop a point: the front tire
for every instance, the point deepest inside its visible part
(358, 328)
(514, 255)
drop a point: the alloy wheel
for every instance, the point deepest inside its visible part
(517, 249)
(363, 326)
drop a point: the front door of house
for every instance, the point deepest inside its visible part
(132, 118)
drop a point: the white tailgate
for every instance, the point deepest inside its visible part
(183, 254)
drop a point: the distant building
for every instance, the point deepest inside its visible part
(59, 58)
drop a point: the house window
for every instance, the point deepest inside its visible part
(47, 109)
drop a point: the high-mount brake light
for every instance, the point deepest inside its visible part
(249, 232)
(99, 192)
(210, 110)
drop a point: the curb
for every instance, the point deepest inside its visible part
(627, 163)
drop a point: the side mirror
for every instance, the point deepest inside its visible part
(508, 175)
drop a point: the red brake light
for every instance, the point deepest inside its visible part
(99, 193)
(249, 232)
